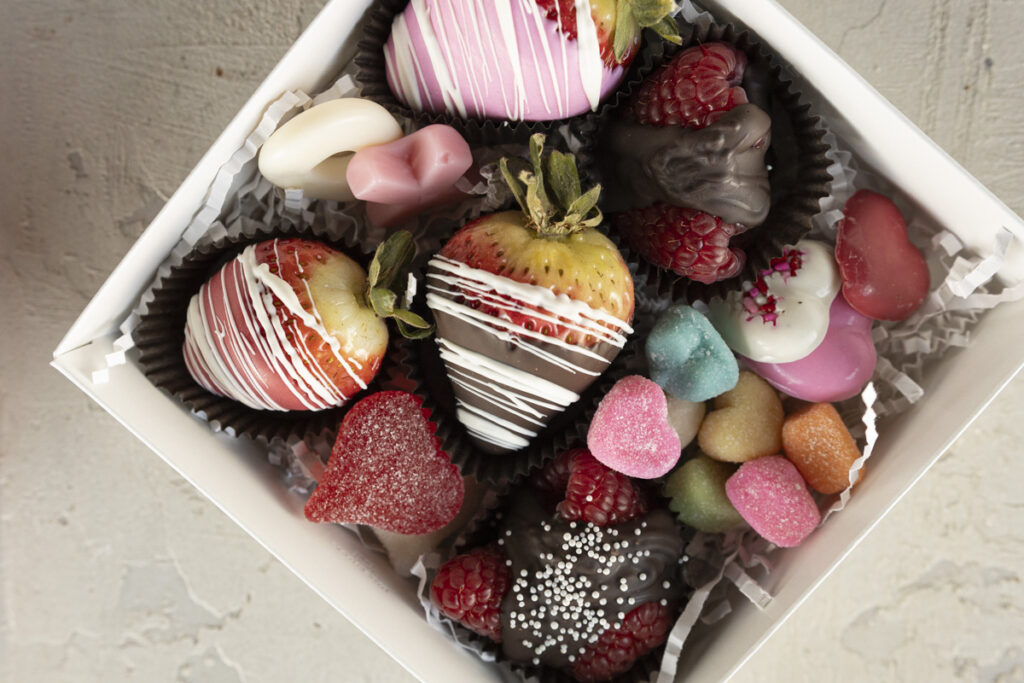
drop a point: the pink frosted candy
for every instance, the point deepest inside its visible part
(401, 178)
(630, 432)
(771, 495)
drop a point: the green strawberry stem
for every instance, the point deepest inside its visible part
(389, 270)
(548, 190)
(632, 16)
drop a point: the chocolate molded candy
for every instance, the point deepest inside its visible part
(569, 585)
(719, 169)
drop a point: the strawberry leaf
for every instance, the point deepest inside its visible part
(626, 30)
(383, 302)
(649, 13)
(563, 178)
(391, 260)
(549, 194)
(389, 268)
(668, 30)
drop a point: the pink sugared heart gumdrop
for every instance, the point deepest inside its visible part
(387, 470)
(837, 369)
(885, 277)
(630, 432)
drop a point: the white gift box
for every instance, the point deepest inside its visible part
(360, 584)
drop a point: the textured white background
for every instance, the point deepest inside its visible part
(113, 569)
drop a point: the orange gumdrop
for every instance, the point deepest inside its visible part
(815, 439)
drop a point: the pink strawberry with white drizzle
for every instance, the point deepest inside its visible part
(292, 324)
(520, 60)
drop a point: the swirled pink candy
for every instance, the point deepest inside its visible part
(497, 59)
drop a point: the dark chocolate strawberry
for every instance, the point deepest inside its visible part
(531, 305)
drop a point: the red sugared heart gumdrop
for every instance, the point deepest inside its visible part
(885, 277)
(387, 470)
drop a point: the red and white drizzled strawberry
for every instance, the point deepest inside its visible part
(531, 305)
(292, 324)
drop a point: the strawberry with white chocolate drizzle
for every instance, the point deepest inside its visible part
(292, 324)
(531, 306)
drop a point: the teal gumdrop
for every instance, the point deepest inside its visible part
(688, 357)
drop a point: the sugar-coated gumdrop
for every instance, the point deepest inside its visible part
(387, 470)
(771, 495)
(835, 371)
(630, 432)
(815, 439)
(685, 417)
(697, 492)
(745, 424)
(688, 357)
(885, 277)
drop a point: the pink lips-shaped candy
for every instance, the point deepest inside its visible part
(402, 178)
(837, 369)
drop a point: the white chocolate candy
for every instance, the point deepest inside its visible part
(803, 302)
(312, 151)
(685, 417)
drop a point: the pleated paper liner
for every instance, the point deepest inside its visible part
(160, 336)
(482, 531)
(797, 159)
(371, 75)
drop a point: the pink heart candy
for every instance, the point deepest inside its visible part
(885, 277)
(410, 170)
(630, 432)
(837, 369)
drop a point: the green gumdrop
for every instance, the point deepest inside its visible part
(697, 492)
(688, 357)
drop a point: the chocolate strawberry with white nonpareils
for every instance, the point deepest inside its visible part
(530, 306)
(291, 324)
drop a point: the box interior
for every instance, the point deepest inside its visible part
(235, 475)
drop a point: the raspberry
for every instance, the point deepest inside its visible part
(615, 651)
(687, 242)
(550, 481)
(470, 588)
(693, 90)
(597, 494)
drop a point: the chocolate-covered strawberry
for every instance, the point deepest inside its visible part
(291, 324)
(588, 585)
(531, 306)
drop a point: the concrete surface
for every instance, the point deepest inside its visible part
(113, 569)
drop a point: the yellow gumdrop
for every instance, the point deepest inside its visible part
(745, 424)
